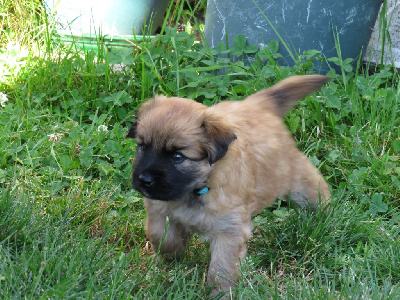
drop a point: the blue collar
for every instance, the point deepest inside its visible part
(202, 191)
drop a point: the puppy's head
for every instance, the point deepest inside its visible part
(178, 141)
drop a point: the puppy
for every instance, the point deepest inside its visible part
(209, 169)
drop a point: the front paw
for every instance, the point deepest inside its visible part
(222, 287)
(222, 293)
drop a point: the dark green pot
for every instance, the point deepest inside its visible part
(301, 24)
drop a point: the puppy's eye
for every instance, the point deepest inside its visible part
(177, 157)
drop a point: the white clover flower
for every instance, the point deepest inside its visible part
(55, 137)
(102, 128)
(3, 99)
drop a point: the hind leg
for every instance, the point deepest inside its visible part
(308, 187)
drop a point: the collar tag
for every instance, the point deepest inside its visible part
(202, 191)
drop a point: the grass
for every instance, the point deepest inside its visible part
(72, 227)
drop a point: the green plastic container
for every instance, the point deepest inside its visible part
(107, 17)
(91, 42)
(302, 25)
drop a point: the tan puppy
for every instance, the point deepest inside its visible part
(209, 169)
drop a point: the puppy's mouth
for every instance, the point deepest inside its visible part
(157, 196)
(144, 193)
(157, 192)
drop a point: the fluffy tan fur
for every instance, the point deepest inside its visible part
(261, 163)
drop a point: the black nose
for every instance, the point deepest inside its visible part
(146, 179)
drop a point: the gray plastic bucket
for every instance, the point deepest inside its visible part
(302, 24)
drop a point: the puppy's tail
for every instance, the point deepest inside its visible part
(282, 96)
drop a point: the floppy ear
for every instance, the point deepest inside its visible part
(132, 131)
(219, 135)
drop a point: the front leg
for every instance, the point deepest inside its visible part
(172, 242)
(227, 250)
